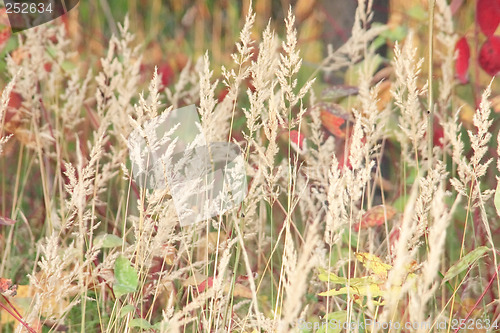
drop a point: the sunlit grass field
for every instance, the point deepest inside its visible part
(368, 135)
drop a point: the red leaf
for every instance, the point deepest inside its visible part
(297, 141)
(167, 74)
(334, 118)
(488, 15)
(375, 217)
(343, 162)
(394, 235)
(343, 155)
(4, 36)
(438, 133)
(223, 93)
(489, 56)
(4, 18)
(15, 100)
(5, 31)
(203, 285)
(6, 221)
(7, 288)
(12, 116)
(462, 63)
(455, 5)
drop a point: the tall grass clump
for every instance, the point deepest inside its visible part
(357, 215)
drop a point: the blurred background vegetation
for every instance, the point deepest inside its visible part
(173, 31)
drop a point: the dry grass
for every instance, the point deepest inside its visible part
(293, 251)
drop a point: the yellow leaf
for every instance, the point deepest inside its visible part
(23, 300)
(372, 290)
(19, 302)
(194, 279)
(209, 243)
(466, 112)
(239, 290)
(495, 103)
(303, 9)
(384, 95)
(374, 264)
(313, 52)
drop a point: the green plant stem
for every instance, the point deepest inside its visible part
(430, 103)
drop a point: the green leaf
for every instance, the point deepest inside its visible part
(335, 321)
(160, 326)
(450, 288)
(68, 66)
(140, 323)
(355, 282)
(108, 240)
(400, 203)
(464, 263)
(126, 279)
(417, 12)
(126, 310)
(396, 34)
(497, 198)
(337, 316)
(351, 76)
(353, 240)
(411, 175)
(378, 42)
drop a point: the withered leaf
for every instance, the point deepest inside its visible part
(6, 221)
(7, 288)
(375, 217)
